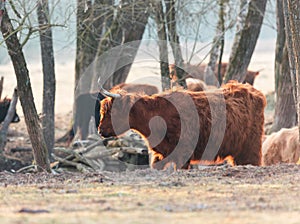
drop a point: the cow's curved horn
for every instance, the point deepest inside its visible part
(107, 93)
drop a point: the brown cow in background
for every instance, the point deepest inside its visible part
(281, 147)
(198, 72)
(155, 115)
(136, 88)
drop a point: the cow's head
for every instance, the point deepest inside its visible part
(4, 106)
(114, 114)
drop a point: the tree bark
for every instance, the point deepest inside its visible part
(79, 40)
(174, 40)
(291, 14)
(216, 50)
(135, 19)
(128, 26)
(162, 44)
(240, 23)
(241, 55)
(92, 23)
(285, 110)
(48, 118)
(25, 93)
(1, 84)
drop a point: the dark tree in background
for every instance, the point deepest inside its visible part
(25, 94)
(291, 9)
(174, 39)
(162, 43)
(285, 111)
(93, 19)
(128, 25)
(101, 26)
(217, 49)
(241, 54)
(48, 118)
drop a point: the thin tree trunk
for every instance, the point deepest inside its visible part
(1, 84)
(25, 93)
(240, 58)
(217, 49)
(285, 110)
(240, 23)
(48, 119)
(174, 40)
(291, 14)
(288, 36)
(280, 42)
(162, 44)
(79, 40)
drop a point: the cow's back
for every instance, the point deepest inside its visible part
(243, 108)
(136, 88)
(281, 147)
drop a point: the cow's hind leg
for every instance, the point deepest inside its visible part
(251, 154)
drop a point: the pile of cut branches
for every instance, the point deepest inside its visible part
(97, 154)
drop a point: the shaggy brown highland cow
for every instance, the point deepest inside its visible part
(198, 72)
(184, 126)
(281, 147)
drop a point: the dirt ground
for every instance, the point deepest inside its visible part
(208, 194)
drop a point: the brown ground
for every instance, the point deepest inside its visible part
(241, 194)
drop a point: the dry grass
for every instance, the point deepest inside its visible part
(214, 194)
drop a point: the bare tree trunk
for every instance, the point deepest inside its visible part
(1, 84)
(285, 109)
(174, 40)
(80, 15)
(240, 23)
(288, 36)
(217, 49)
(48, 119)
(291, 9)
(129, 25)
(135, 19)
(162, 44)
(92, 23)
(25, 93)
(111, 38)
(240, 58)
(280, 42)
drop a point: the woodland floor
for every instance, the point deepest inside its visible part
(213, 194)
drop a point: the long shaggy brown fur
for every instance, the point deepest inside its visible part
(136, 88)
(281, 147)
(243, 130)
